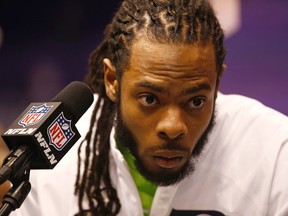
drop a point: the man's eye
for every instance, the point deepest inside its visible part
(148, 100)
(196, 103)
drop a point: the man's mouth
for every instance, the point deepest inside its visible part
(169, 159)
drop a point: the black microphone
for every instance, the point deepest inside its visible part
(44, 132)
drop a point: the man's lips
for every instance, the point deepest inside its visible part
(169, 159)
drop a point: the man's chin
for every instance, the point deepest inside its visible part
(166, 177)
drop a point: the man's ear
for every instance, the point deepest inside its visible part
(224, 68)
(110, 81)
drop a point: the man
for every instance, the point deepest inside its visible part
(162, 140)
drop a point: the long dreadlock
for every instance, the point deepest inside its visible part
(169, 21)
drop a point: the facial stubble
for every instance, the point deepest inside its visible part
(163, 178)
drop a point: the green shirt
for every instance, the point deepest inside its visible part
(145, 188)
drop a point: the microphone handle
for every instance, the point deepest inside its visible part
(16, 164)
(15, 197)
(5, 209)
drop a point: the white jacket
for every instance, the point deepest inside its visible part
(243, 171)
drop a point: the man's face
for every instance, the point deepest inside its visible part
(166, 106)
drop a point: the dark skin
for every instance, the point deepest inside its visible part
(168, 95)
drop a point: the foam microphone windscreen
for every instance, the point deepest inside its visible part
(76, 97)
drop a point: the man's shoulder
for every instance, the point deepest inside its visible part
(245, 110)
(249, 141)
(242, 124)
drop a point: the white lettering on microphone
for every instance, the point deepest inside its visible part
(50, 156)
(20, 131)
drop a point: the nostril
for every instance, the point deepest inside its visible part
(163, 135)
(172, 124)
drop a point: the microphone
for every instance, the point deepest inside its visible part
(44, 132)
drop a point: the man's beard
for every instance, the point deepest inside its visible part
(126, 139)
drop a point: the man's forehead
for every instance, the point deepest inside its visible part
(146, 45)
(169, 64)
(146, 52)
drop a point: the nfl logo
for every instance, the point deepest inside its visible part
(34, 115)
(60, 132)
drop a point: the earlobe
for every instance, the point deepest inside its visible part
(224, 68)
(110, 81)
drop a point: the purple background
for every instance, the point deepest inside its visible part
(47, 44)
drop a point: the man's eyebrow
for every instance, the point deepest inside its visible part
(192, 90)
(196, 88)
(152, 87)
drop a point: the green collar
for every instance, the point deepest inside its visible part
(145, 188)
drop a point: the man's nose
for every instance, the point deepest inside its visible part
(172, 125)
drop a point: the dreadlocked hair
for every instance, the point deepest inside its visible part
(164, 21)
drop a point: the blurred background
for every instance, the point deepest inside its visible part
(44, 45)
